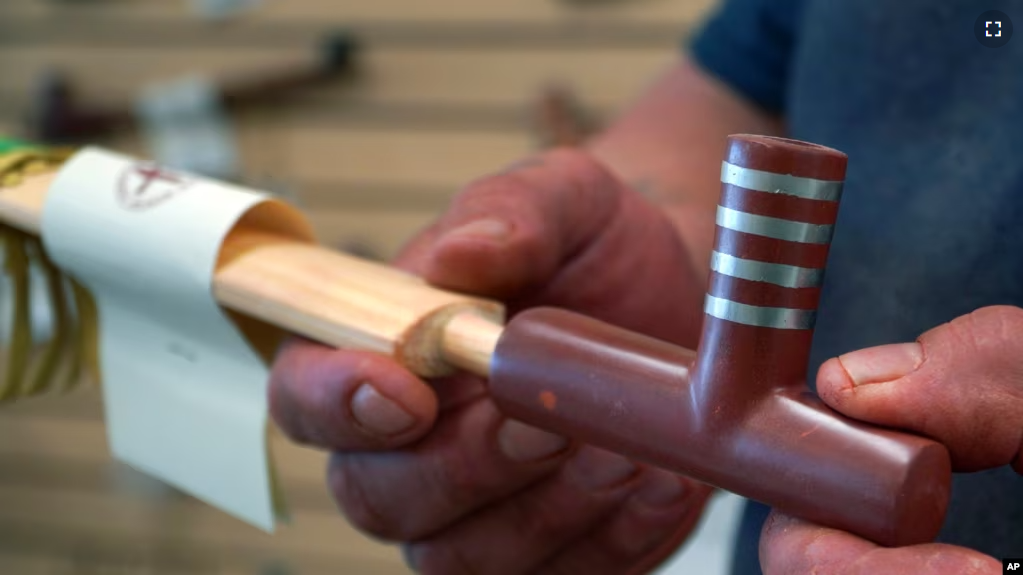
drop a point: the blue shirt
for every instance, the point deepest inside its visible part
(929, 226)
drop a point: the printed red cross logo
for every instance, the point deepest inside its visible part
(153, 173)
(145, 185)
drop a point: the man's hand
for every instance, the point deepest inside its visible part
(960, 384)
(436, 466)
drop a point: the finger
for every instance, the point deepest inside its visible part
(645, 530)
(960, 383)
(533, 218)
(415, 254)
(520, 533)
(347, 400)
(473, 456)
(790, 546)
(561, 229)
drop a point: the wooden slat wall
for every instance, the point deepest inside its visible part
(444, 96)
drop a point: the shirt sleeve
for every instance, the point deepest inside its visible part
(748, 44)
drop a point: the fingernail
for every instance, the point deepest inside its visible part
(487, 229)
(595, 468)
(660, 489)
(378, 414)
(522, 443)
(882, 363)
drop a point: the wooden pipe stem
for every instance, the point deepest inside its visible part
(469, 341)
(327, 296)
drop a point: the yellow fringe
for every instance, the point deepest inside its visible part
(71, 355)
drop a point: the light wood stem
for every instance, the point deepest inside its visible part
(328, 296)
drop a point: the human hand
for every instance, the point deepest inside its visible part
(960, 384)
(436, 466)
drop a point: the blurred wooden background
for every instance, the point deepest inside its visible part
(445, 95)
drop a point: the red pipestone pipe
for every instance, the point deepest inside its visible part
(736, 413)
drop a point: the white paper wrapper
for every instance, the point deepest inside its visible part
(185, 394)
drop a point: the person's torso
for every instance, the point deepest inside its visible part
(930, 222)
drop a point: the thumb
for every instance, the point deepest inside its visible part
(510, 232)
(959, 383)
(561, 230)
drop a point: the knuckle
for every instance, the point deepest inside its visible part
(576, 161)
(481, 190)
(1002, 323)
(453, 476)
(538, 522)
(585, 175)
(284, 408)
(291, 428)
(446, 484)
(981, 333)
(566, 171)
